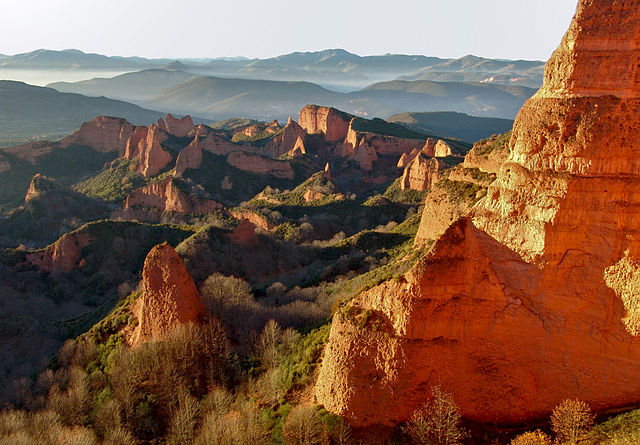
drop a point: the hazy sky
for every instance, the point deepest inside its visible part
(514, 29)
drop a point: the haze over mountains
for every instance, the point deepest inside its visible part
(334, 68)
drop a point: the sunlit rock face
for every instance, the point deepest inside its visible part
(534, 297)
(169, 296)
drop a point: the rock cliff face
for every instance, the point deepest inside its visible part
(166, 196)
(365, 147)
(145, 146)
(531, 299)
(103, 134)
(169, 296)
(334, 124)
(245, 234)
(178, 127)
(287, 140)
(255, 163)
(421, 173)
(442, 150)
(62, 256)
(189, 157)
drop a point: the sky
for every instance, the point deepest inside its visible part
(509, 29)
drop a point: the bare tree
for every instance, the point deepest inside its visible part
(437, 422)
(304, 427)
(571, 420)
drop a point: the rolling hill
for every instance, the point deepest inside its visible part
(220, 98)
(28, 112)
(133, 87)
(453, 125)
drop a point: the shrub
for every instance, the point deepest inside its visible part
(571, 420)
(532, 438)
(437, 422)
(304, 427)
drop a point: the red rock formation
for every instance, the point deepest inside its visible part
(533, 299)
(245, 234)
(298, 149)
(145, 147)
(169, 296)
(166, 196)
(429, 148)
(407, 158)
(218, 145)
(364, 155)
(442, 150)
(326, 174)
(256, 163)
(103, 134)
(199, 131)
(189, 157)
(313, 195)
(421, 173)
(255, 218)
(62, 256)
(286, 140)
(256, 129)
(365, 147)
(179, 127)
(334, 124)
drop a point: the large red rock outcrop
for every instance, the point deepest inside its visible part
(169, 296)
(256, 163)
(218, 145)
(421, 173)
(533, 298)
(62, 256)
(145, 147)
(178, 127)
(103, 134)
(286, 140)
(334, 124)
(189, 157)
(166, 196)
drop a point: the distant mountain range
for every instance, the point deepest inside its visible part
(221, 98)
(334, 68)
(27, 111)
(477, 69)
